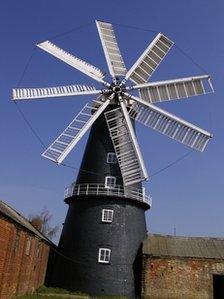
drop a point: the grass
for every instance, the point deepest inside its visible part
(109, 297)
(45, 290)
(36, 296)
(39, 297)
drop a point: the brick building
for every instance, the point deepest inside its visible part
(182, 267)
(23, 254)
(173, 267)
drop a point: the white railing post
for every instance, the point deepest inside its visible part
(97, 189)
(87, 189)
(143, 194)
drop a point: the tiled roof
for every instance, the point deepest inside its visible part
(8, 211)
(172, 246)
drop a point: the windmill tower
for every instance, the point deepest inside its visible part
(105, 224)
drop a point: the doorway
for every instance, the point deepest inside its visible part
(218, 286)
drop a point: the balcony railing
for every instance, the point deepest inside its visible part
(99, 189)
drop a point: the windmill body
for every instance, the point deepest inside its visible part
(85, 231)
(105, 224)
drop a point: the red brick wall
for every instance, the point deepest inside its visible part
(21, 271)
(175, 278)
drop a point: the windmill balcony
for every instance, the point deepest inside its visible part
(100, 189)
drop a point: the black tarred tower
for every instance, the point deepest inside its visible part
(100, 245)
(105, 224)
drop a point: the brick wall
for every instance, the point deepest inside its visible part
(23, 260)
(176, 278)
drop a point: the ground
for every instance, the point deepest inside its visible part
(55, 293)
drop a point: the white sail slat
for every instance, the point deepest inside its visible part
(73, 61)
(62, 146)
(174, 89)
(52, 92)
(111, 50)
(169, 125)
(129, 158)
(150, 59)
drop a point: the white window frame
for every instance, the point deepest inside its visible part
(111, 158)
(108, 178)
(107, 215)
(104, 255)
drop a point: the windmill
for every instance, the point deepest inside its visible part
(105, 224)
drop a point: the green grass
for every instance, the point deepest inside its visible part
(46, 290)
(40, 297)
(36, 296)
(57, 297)
(110, 297)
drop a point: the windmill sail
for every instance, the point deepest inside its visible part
(141, 109)
(174, 89)
(111, 50)
(128, 154)
(62, 146)
(52, 92)
(73, 61)
(150, 59)
(169, 125)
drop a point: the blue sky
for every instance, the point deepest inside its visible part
(188, 195)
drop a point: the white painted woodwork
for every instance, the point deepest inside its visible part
(111, 50)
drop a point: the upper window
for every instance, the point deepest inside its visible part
(111, 158)
(104, 255)
(107, 215)
(110, 181)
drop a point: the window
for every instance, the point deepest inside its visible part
(104, 255)
(107, 215)
(110, 181)
(111, 158)
(28, 246)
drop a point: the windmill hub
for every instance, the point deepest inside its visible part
(117, 89)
